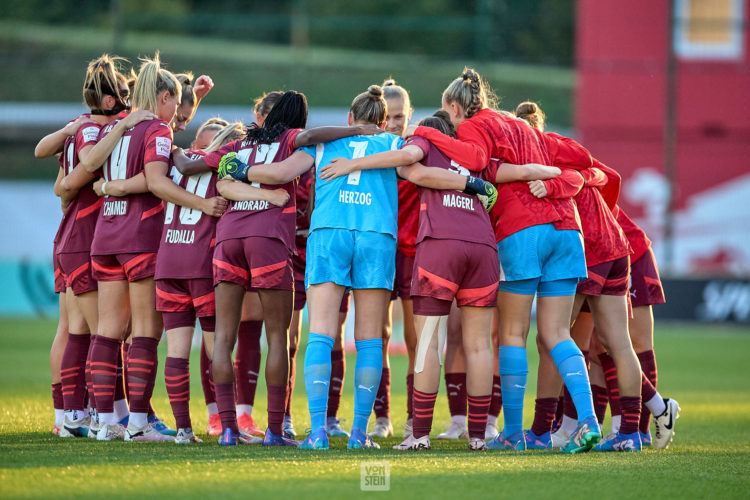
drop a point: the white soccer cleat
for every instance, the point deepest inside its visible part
(490, 431)
(407, 428)
(186, 436)
(456, 430)
(110, 432)
(476, 444)
(74, 427)
(559, 438)
(94, 427)
(382, 429)
(412, 443)
(147, 433)
(664, 424)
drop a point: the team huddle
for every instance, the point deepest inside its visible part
(467, 217)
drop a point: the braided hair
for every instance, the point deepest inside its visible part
(470, 92)
(289, 112)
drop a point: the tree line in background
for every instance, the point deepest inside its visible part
(502, 30)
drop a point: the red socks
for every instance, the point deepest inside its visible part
(479, 407)
(382, 407)
(177, 378)
(290, 384)
(544, 414)
(424, 407)
(610, 377)
(497, 397)
(247, 361)
(73, 371)
(207, 380)
(410, 395)
(225, 404)
(648, 367)
(631, 414)
(104, 372)
(336, 389)
(141, 372)
(277, 398)
(455, 386)
(599, 394)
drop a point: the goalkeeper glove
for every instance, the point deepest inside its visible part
(232, 166)
(485, 191)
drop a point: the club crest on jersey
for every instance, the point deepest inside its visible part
(163, 146)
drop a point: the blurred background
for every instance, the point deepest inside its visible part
(659, 91)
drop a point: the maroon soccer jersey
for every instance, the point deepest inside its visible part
(408, 218)
(189, 235)
(303, 218)
(133, 223)
(79, 221)
(259, 218)
(448, 214)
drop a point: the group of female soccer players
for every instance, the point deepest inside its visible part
(467, 217)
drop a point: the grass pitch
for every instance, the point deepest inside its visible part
(704, 367)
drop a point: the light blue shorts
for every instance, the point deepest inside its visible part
(353, 259)
(543, 254)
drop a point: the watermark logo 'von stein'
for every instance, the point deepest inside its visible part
(375, 476)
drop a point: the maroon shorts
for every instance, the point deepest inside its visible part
(645, 283)
(182, 300)
(76, 268)
(450, 269)
(404, 272)
(123, 266)
(254, 262)
(607, 278)
(59, 276)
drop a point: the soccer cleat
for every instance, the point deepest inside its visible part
(63, 433)
(534, 442)
(490, 431)
(516, 442)
(147, 433)
(645, 438)
(456, 430)
(382, 429)
(94, 425)
(315, 440)
(271, 439)
(412, 443)
(110, 432)
(559, 438)
(289, 428)
(247, 425)
(214, 425)
(664, 424)
(407, 428)
(477, 444)
(618, 441)
(75, 428)
(334, 429)
(358, 439)
(586, 435)
(160, 426)
(229, 438)
(186, 436)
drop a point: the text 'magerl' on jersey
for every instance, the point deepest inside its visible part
(446, 213)
(364, 200)
(79, 221)
(259, 218)
(132, 223)
(189, 236)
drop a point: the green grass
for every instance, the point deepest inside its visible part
(704, 367)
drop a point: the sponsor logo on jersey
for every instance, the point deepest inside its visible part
(250, 205)
(355, 198)
(119, 207)
(163, 146)
(186, 236)
(457, 201)
(90, 134)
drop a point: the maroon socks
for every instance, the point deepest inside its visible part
(336, 389)
(141, 372)
(277, 399)
(455, 386)
(599, 394)
(247, 361)
(479, 407)
(225, 404)
(73, 371)
(424, 407)
(207, 380)
(410, 395)
(497, 397)
(104, 372)
(382, 407)
(177, 378)
(648, 367)
(544, 414)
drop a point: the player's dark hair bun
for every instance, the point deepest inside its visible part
(375, 92)
(527, 108)
(390, 82)
(470, 75)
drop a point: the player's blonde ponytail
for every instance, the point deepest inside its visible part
(153, 80)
